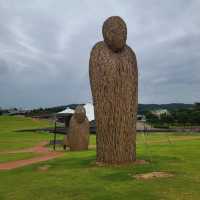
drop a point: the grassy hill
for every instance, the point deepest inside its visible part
(10, 139)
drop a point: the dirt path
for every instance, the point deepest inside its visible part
(40, 148)
(46, 154)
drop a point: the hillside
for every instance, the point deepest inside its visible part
(172, 106)
(141, 108)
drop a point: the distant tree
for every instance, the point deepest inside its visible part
(152, 118)
(196, 106)
(166, 118)
(183, 117)
(194, 117)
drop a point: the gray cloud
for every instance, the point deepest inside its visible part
(45, 47)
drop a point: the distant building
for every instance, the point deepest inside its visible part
(65, 115)
(160, 112)
(141, 118)
(14, 111)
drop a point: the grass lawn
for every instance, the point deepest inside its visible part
(75, 176)
(10, 139)
(16, 156)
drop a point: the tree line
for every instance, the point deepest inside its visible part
(176, 117)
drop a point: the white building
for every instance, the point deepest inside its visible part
(89, 108)
(160, 112)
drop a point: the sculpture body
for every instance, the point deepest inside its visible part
(79, 130)
(114, 84)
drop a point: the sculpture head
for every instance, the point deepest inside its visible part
(80, 114)
(115, 33)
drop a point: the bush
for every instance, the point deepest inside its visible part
(161, 126)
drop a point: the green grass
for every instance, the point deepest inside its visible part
(10, 139)
(75, 176)
(16, 156)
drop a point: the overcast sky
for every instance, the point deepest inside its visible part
(45, 47)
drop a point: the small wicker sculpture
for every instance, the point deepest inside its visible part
(78, 137)
(114, 84)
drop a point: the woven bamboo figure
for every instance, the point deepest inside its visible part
(79, 130)
(114, 84)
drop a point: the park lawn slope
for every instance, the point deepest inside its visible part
(75, 176)
(11, 139)
(8, 157)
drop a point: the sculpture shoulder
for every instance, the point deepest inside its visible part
(99, 55)
(130, 56)
(97, 48)
(130, 51)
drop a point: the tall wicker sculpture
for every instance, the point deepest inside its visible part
(114, 84)
(79, 130)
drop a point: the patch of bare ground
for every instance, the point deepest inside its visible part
(141, 162)
(152, 175)
(44, 168)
